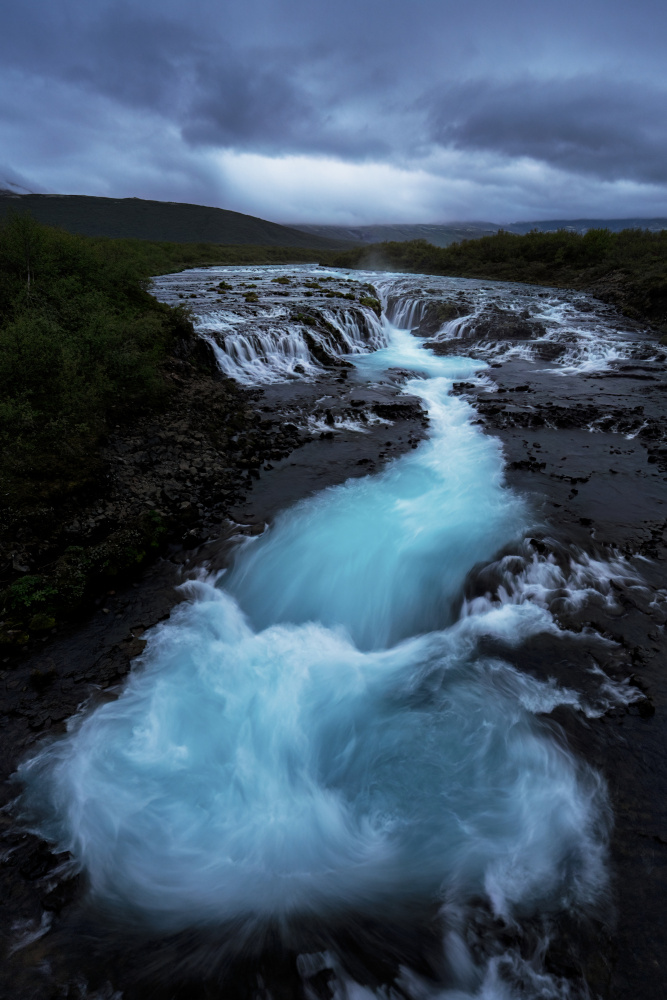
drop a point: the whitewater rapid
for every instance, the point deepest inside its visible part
(317, 732)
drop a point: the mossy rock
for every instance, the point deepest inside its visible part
(10, 636)
(41, 623)
(282, 280)
(34, 602)
(127, 549)
(371, 303)
(304, 318)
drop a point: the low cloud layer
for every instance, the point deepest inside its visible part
(390, 111)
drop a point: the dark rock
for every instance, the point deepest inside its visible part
(62, 895)
(436, 313)
(502, 324)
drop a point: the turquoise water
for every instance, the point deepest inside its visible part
(316, 732)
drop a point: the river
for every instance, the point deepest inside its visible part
(318, 747)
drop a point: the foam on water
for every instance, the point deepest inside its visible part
(592, 343)
(283, 772)
(336, 423)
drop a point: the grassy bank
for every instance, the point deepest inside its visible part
(88, 355)
(628, 268)
(149, 258)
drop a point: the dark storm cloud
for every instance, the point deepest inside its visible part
(583, 125)
(277, 98)
(578, 87)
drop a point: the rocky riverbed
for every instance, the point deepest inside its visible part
(576, 395)
(586, 442)
(589, 449)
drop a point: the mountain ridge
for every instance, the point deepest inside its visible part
(453, 232)
(185, 222)
(159, 221)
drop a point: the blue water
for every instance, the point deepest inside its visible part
(316, 733)
(385, 557)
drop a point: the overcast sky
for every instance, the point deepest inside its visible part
(351, 112)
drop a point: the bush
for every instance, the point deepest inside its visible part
(81, 342)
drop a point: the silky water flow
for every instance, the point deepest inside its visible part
(315, 732)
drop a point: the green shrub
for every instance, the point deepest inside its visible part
(28, 593)
(81, 343)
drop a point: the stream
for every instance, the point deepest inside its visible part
(320, 749)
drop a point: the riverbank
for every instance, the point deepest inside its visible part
(589, 452)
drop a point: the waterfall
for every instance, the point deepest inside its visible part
(265, 351)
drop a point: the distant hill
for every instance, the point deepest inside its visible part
(583, 225)
(440, 236)
(454, 232)
(177, 222)
(161, 221)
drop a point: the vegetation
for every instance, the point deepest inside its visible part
(84, 350)
(372, 303)
(149, 258)
(628, 268)
(81, 342)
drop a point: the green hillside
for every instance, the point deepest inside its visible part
(160, 221)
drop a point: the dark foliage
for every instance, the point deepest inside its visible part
(87, 353)
(81, 342)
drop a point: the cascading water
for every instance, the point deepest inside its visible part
(386, 557)
(269, 341)
(318, 732)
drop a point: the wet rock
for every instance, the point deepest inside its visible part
(502, 324)
(436, 313)
(400, 409)
(62, 895)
